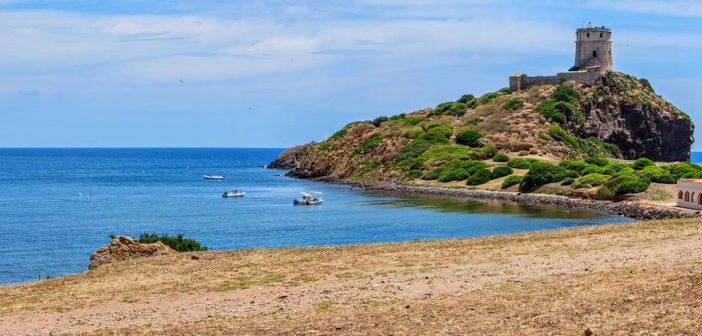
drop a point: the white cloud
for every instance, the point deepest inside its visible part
(670, 7)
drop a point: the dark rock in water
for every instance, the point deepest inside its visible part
(125, 248)
(291, 157)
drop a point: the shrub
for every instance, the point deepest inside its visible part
(479, 177)
(511, 180)
(369, 144)
(561, 104)
(598, 161)
(488, 97)
(379, 120)
(592, 169)
(177, 242)
(409, 153)
(683, 169)
(590, 180)
(453, 108)
(465, 98)
(575, 165)
(413, 174)
(489, 151)
(568, 181)
(413, 132)
(513, 104)
(412, 120)
(505, 90)
(370, 165)
(520, 163)
(398, 117)
(501, 171)
(469, 138)
(642, 163)
(541, 173)
(657, 174)
(443, 152)
(454, 170)
(559, 134)
(500, 158)
(624, 184)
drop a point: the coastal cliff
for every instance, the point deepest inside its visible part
(616, 117)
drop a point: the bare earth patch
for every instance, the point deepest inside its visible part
(639, 278)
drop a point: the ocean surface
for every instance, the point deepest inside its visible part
(58, 205)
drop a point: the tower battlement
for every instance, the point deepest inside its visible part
(593, 57)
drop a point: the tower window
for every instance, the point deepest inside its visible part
(588, 34)
(594, 53)
(600, 35)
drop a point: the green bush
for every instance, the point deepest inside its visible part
(657, 174)
(646, 84)
(520, 163)
(397, 117)
(598, 161)
(624, 184)
(412, 120)
(576, 165)
(511, 180)
(408, 155)
(453, 108)
(369, 144)
(413, 174)
(561, 104)
(489, 151)
(557, 133)
(683, 169)
(413, 132)
(177, 242)
(568, 181)
(590, 180)
(454, 170)
(465, 98)
(500, 158)
(379, 120)
(505, 90)
(479, 177)
(469, 138)
(592, 169)
(642, 163)
(541, 173)
(513, 104)
(501, 171)
(488, 97)
(444, 152)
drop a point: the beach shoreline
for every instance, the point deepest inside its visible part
(633, 209)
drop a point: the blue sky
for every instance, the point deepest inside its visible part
(198, 73)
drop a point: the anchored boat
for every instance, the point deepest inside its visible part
(213, 177)
(233, 194)
(308, 199)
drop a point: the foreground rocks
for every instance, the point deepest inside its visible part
(125, 248)
(635, 210)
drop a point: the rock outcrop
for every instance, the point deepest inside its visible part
(626, 112)
(291, 157)
(125, 248)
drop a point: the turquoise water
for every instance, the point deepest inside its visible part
(58, 205)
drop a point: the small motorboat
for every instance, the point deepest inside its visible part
(213, 177)
(234, 193)
(308, 199)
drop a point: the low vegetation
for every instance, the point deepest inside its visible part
(177, 242)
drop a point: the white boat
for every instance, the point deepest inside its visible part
(213, 177)
(308, 199)
(234, 193)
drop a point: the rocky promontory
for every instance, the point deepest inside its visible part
(125, 248)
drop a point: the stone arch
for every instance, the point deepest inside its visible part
(699, 198)
(692, 197)
(680, 194)
(687, 196)
(594, 53)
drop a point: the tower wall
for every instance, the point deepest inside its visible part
(593, 49)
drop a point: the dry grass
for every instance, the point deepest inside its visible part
(616, 279)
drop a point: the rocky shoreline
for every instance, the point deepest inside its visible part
(635, 210)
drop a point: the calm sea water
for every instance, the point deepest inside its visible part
(58, 205)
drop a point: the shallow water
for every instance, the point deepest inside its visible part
(58, 205)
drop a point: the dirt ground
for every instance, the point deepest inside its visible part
(638, 278)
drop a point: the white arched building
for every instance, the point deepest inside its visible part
(690, 193)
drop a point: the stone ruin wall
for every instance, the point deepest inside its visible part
(519, 82)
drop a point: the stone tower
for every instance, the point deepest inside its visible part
(593, 49)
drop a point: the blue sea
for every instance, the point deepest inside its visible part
(58, 205)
